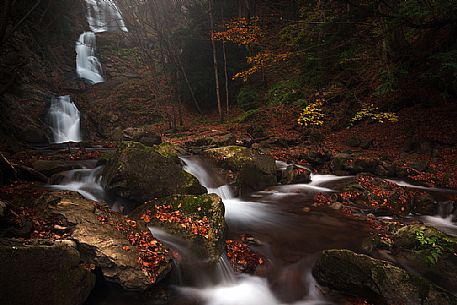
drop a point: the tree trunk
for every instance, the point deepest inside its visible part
(227, 98)
(216, 70)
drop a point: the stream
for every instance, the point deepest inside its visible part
(281, 224)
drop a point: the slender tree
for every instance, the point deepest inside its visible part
(216, 70)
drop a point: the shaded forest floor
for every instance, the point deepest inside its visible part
(424, 139)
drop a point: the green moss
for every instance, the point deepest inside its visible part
(197, 205)
(237, 153)
(169, 150)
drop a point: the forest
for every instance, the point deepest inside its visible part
(217, 152)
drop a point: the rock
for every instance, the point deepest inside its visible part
(51, 167)
(294, 174)
(35, 135)
(246, 168)
(375, 280)
(204, 208)
(317, 157)
(142, 135)
(353, 164)
(411, 247)
(150, 140)
(424, 204)
(42, 272)
(384, 198)
(139, 173)
(101, 241)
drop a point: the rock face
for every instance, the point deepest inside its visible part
(378, 281)
(207, 230)
(410, 247)
(246, 168)
(42, 272)
(140, 173)
(101, 240)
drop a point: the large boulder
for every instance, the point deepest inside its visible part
(139, 173)
(247, 169)
(109, 240)
(377, 281)
(428, 251)
(42, 272)
(199, 219)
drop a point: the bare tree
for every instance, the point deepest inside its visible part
(216, 70)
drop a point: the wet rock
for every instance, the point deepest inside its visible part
(246, 168)
(42, 272)
(428, 251)
(294, 174)
(99, 242)
(377, 281)
(139, 173)
(424, 204)
(51, 167)
(208, 210)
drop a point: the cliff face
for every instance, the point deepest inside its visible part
(37, 61)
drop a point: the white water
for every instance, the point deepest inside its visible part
(65, 120)
(87, 64)
(104, 16)
(86, 182)
(247, 289)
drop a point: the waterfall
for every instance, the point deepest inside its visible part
(65, 120)
(87, 64)
(104, 16)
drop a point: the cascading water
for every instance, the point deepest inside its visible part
(65, 120)
(87, 182)
(277, 227)
(104, 16)
(88, 66)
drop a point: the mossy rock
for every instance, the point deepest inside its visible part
(169, 150)
(209, 206)
(408, 248)
(139, 173)
(246, 168)
(377, 281)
